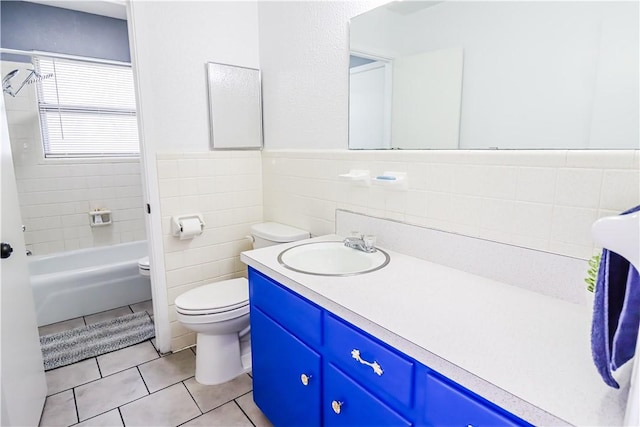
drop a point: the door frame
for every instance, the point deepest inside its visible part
(387, 63)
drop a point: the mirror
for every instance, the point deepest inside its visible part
(495, 75)
(235, 107)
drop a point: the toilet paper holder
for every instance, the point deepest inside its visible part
(177, 223)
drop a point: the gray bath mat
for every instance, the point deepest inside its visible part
(67, 347)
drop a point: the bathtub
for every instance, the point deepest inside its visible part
(86, 281)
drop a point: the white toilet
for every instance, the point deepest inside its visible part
(219, 313)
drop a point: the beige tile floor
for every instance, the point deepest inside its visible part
(137, 386)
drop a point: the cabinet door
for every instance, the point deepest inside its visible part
(451, 405)
(279, 362)
(347, 403)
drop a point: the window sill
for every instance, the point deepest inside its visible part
(88, 160)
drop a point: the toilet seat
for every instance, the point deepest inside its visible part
(215, 298)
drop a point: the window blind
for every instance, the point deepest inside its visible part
(87, 109)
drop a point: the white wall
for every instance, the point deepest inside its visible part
(225, 187)
(535, 199)
(538, 199)
(171, 42)
(304, 57)
(304, 60)
(56, 195)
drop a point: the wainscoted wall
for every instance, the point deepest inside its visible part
(226, 188)
(544, 199)
(57, 194)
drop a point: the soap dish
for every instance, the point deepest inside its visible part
(100, 217)
(358, 176)
(392, 180)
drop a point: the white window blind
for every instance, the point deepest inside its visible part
(87, 109)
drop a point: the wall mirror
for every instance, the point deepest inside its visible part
(495, 75)
(235, 107)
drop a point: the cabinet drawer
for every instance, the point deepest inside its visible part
(448, 404)
(366, 359)
(294, 313)
(347, 403)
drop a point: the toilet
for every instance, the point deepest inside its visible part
(219, 313)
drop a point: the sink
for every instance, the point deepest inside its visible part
(331, 259)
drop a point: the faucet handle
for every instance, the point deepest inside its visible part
(369, 242)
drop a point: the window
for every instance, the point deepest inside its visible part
(87, 109)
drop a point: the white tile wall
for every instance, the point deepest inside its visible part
(56, 195)
(226, 188)
(545, 200)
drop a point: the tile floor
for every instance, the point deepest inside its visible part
(137, 386)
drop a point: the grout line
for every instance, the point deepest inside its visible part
(121, 417)
(75, 403)
(192, 398)
(244, 394)
(132, 366)
(99, 370)
(245, 414)
(143, 381)
(97, 379)
(222, 404)
(92, 417)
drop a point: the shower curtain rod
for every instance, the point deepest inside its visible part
(61, 56)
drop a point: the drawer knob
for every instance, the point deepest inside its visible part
(304, 379)
(336, 405)
(355, 353)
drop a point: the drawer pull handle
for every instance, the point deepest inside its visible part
(336, 405)
(304, 379)
(355, 353)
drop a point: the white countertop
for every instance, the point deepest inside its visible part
(527, 352)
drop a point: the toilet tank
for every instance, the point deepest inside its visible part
(273, 233)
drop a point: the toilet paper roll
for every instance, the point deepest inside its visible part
(189, 228)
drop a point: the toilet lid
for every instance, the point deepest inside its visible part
(215, 297)
(144, 263)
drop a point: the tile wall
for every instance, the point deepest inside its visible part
(226, 188)
(545, 200)
(56, 195)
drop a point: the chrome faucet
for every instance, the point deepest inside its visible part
(362, 243)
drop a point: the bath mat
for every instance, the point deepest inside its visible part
(67, 347)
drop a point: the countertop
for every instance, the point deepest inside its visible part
(527, 352)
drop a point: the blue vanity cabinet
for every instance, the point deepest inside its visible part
(312, 368)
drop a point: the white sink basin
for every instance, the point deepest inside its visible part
(331, 259)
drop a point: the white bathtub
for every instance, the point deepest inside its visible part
(86, 281)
